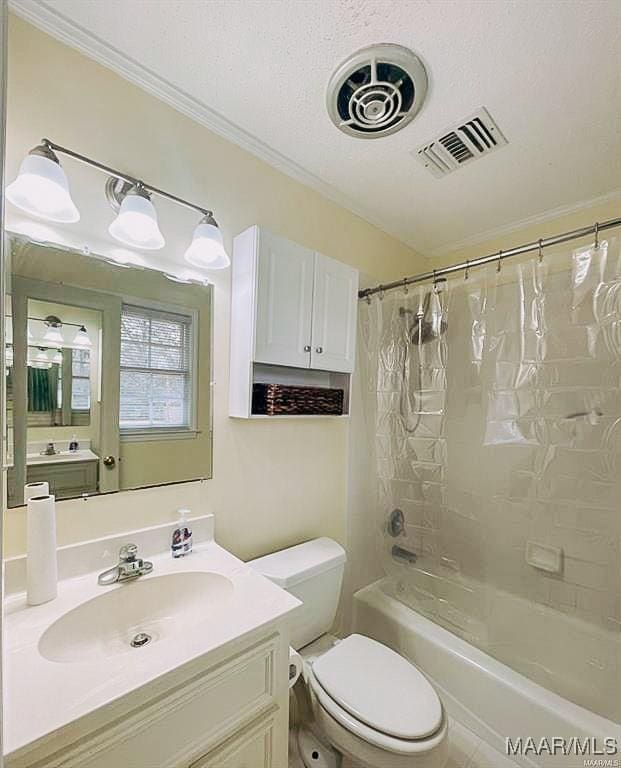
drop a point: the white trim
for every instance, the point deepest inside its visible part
(539, 218)
(48, 19)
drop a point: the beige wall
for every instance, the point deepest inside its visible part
(532, 232)
(275, 483)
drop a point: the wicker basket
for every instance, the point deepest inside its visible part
(281, 399)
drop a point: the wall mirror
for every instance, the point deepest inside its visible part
(108, 374)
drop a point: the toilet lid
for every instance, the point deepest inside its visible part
(380, 688)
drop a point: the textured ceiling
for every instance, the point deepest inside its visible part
(548, 72)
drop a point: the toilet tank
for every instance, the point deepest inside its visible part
(312, 572)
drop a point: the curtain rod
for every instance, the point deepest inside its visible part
(499, 257)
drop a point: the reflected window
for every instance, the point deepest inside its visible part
(156, 370)
(80, 380)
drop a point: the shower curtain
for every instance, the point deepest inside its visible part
(499, 440)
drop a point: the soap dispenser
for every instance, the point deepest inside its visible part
(182, 536)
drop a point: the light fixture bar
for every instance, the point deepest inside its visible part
(43, 319)
(124, 176)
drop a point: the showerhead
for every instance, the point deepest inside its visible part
(428, 322)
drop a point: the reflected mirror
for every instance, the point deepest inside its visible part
(103, 383)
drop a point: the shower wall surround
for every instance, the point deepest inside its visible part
(505, 430)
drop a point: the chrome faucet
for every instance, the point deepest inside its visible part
(130, 566)
(50, 450)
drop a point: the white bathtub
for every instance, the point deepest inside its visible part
(484, 694)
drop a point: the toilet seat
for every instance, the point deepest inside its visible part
(378, 695)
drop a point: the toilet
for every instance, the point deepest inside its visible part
(369, 702)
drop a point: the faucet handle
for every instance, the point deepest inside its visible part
(128, 552)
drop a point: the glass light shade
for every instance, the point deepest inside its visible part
(81, 339)
(53, 336)
(55, 356)
(41, 189)
(41, 360)
(206, 249)
(136, 224)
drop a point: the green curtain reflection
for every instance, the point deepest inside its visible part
(42, 388)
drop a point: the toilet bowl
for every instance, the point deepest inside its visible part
(369, 702)
(376, 707)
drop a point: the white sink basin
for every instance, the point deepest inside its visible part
(61, 457)
(160, 607)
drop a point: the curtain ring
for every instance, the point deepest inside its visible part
(435, 282)
(540, 250)
(368, 298)
(405, 286)
(596, 235)
(380, 293)
(467, 272)
(499, 266)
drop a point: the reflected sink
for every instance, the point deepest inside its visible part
(156, 608)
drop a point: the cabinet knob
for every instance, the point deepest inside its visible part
(109, 461)
(319, 350)
(307, 348)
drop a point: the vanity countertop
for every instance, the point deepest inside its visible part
(62, 457)
(42, 696)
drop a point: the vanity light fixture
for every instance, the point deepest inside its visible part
(81, 339)
(207, 249)
(41, 187)
(136, 222)
(53, 335)
(40, 359)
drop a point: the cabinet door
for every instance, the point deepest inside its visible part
(252, 748)
(334, 316)
(284, 302)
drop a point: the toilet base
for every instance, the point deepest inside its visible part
(314, 752)
(368, 755)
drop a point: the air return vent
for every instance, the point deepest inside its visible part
(376, 91)
(470, 139)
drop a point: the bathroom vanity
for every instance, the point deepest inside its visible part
(209, 689)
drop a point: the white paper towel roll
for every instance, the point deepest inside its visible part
(36, 489)
(41, 562)
(295, 666)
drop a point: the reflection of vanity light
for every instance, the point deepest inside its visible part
(41, 188)
(81, 338)
(178, 278)
(53, 334)
(54, 356)
(40, 360)
(207, 248)
(122, 257)
(8, 356)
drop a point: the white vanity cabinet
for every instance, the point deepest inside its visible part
(293, 310)
(230, 713)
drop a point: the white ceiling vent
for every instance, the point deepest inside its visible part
(468, 140)
(376, 91)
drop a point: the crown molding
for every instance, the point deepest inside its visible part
(49, 20)
(539, 218)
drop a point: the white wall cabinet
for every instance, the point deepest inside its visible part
(284, 301)
(292, 310)
(335, 301)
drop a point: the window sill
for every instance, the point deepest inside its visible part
(148, 435)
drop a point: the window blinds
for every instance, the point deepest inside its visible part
(156, 369)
